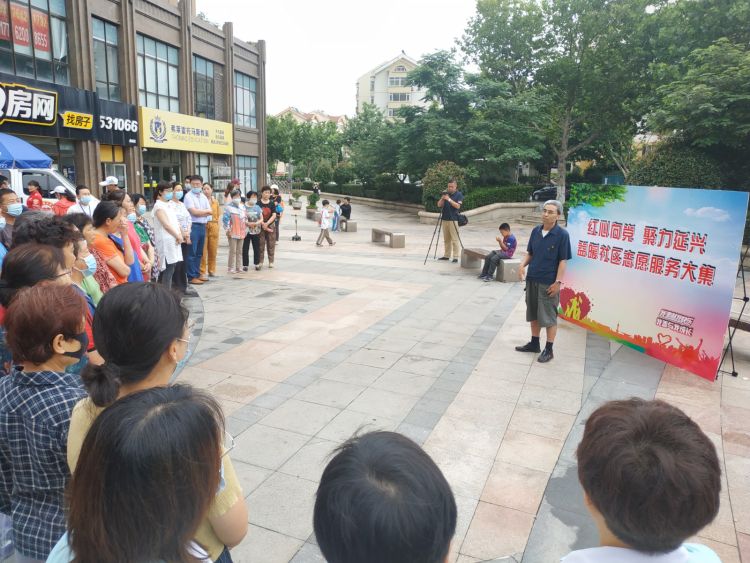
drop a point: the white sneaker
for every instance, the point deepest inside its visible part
(270, 264)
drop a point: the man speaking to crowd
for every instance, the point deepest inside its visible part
(546, 256)
(449, 203)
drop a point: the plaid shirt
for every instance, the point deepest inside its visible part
(35, 412)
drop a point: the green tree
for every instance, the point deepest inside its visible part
(436, 179)
(324, 172)
(675, 165)
(710, 104)
(279, 135)
(580, 70)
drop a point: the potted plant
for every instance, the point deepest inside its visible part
(296, 202)
(312, 205)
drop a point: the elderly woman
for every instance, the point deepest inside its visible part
(35, 406)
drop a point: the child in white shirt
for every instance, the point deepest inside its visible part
(325, 223)
(651, 480)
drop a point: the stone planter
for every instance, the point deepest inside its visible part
(311, 211)
(297, 205)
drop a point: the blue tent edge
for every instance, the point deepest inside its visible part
(17, 153)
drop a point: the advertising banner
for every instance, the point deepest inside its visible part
(40, 28)
(37, 108)
(166, 130)
(19, 16)
(655, 269)
(4, 22)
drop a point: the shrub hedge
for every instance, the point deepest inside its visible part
(479, 197)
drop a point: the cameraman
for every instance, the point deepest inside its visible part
(450, 202)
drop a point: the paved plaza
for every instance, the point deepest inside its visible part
(362, 336)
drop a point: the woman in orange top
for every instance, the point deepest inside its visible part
(109, 219)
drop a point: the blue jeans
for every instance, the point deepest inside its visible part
(197, 242)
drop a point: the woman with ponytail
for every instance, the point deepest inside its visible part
(142, 333)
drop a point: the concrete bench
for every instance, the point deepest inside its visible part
(473, 257)
(507, 270)
(743, 325)
(396, 240)
(349, 226)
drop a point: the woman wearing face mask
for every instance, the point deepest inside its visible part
(35, 407)
(81, 267)
(25, 266)
(234, 223)
(166, 445)
(146, 233)
(109, 220)
(179, 280)
(95, 267)
(254, 216)
(167, 233)
(10, 209)
(141, 262)
(149, 318)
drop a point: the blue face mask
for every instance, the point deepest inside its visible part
(182, 362)
(178, 195)
(85, 200)
(2, 222)
(90, 265)
(132, 217)
(196, 191)
(15, 209)
(141, 209)
(168, 196)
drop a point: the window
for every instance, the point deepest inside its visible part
(34, 40)
(202, 166)
(203, 84)
(399, 97)
(372, 99)
(392, 112)
(105, 60)
(247, 172)
(158, 86)
(400, 68)
(372, 84)
(244, 101)
(397, 81)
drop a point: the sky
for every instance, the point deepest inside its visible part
(317, 49)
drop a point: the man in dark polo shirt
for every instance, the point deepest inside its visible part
(449, 204)
(546, 256)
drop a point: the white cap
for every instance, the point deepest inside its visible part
(60, 190)
(109, 180)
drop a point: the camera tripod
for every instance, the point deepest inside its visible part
(438, 228)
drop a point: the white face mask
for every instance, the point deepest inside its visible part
(237, 200)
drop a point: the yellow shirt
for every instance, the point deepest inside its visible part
(83, 416)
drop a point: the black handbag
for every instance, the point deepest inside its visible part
(462, 220)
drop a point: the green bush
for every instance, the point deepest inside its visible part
(479, 197)
(436, 179)
(673, 165)
(307, 185)
(312, 201)
(356, 190)
(296, 194)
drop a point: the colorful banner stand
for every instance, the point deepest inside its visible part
(655, 269)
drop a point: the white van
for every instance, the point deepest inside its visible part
(48, 180)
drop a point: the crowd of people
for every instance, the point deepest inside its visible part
(102, 461)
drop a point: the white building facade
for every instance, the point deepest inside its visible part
(387, 88)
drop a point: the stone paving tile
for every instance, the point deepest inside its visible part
(484, 539)
(330, 393)
(267, 447)
(514, 486)
(300, 417)
(285, 504)
(349, 422)
(384, 403)
(309, 462)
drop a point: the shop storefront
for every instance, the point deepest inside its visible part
(56, 118)
(164, 135)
